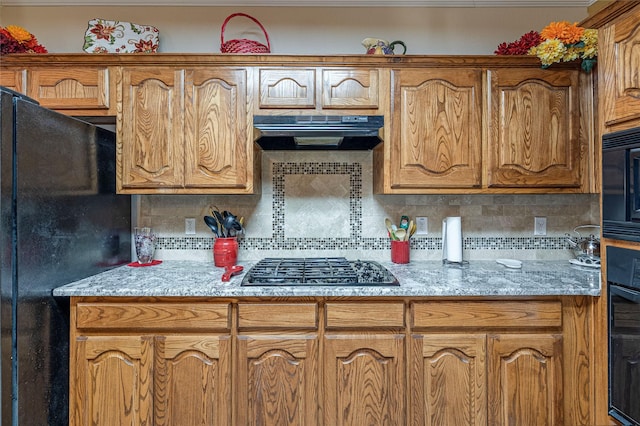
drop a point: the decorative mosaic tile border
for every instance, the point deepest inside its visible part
(417, 243)
(355, 241)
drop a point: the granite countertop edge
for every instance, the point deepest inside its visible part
(417, 279)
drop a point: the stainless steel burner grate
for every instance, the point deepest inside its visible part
(317, 271)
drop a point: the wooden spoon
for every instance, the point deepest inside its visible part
(401, 234)
(389, 226)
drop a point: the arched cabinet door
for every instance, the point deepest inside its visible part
(217, 147)
(449, 378)
(363, 378)
(436, 135)
(534, 138)
(150, 129)
(112, 380)
(619, 55)
(525, 379)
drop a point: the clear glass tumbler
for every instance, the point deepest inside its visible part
(145, 244)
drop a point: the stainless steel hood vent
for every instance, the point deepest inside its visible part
(318, 132)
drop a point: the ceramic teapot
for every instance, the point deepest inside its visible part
(377, 46)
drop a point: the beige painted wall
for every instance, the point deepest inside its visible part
(301, 30)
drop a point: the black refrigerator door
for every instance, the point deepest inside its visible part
(69, 224)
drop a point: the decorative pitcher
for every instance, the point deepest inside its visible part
(377, 46)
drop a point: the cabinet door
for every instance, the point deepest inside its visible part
(449, 383)
(534, 132)
(218, 151)
(277, 380)
(192, 377)
(287, 88)
(436, 129)
(14, 79)
(112, 381)
(350, 88)
(150, 129)
(619, 55)
(525, 380)
(74, 91)
(364, 379)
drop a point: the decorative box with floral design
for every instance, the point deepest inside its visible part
(105, 36)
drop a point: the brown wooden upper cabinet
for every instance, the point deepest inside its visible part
(319, 88)
(436, 129)
(534, 129)
(452, 125)
(79, 90)
(619, 54)
(474, 130)
(185, 130)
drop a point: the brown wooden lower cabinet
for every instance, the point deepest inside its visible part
(277, 380)
(322, 362)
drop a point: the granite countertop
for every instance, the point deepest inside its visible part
(421, 278)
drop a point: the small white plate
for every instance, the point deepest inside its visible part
(510, 263)
(586, 265)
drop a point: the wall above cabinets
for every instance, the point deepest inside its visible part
(453, 124)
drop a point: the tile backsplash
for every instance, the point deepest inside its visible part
(321, 203)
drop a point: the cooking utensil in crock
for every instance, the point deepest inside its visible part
(213, 224)
(389, 225)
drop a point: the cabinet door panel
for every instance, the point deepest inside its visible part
(350, 88)
(278, 376)
(525, 380)
(192, 380)
(437, 129)
(71, 88)
(620, 54)
(363, 379)
(449, 387)
(151, 128)
(113, 381)
(288, 88)
(535, 129)
(216, 141)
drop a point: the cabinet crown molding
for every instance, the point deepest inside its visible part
(312, 3)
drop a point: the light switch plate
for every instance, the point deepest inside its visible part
(540, 226)
(422, 225)
(189, 226)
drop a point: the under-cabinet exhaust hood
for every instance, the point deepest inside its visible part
(318, 132)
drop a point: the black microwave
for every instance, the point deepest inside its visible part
(621, 185)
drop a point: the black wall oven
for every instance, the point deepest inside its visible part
(623, 283)
(621, 185)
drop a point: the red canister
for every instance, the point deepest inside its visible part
(225, 252)
(400, 251)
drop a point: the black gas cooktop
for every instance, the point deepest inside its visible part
(332, 271)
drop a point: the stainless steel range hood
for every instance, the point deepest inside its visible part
(318, 132)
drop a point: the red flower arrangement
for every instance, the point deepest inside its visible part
(15, 39)
(520, 46)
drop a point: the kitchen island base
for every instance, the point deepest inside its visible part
(332, 361)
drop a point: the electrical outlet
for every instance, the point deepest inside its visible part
(540, 226)
(422, 225)
(189, 226)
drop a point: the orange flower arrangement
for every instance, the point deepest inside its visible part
(557, 42)
(15, 39)
(563, 41)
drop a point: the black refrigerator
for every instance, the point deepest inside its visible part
(61, 221)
